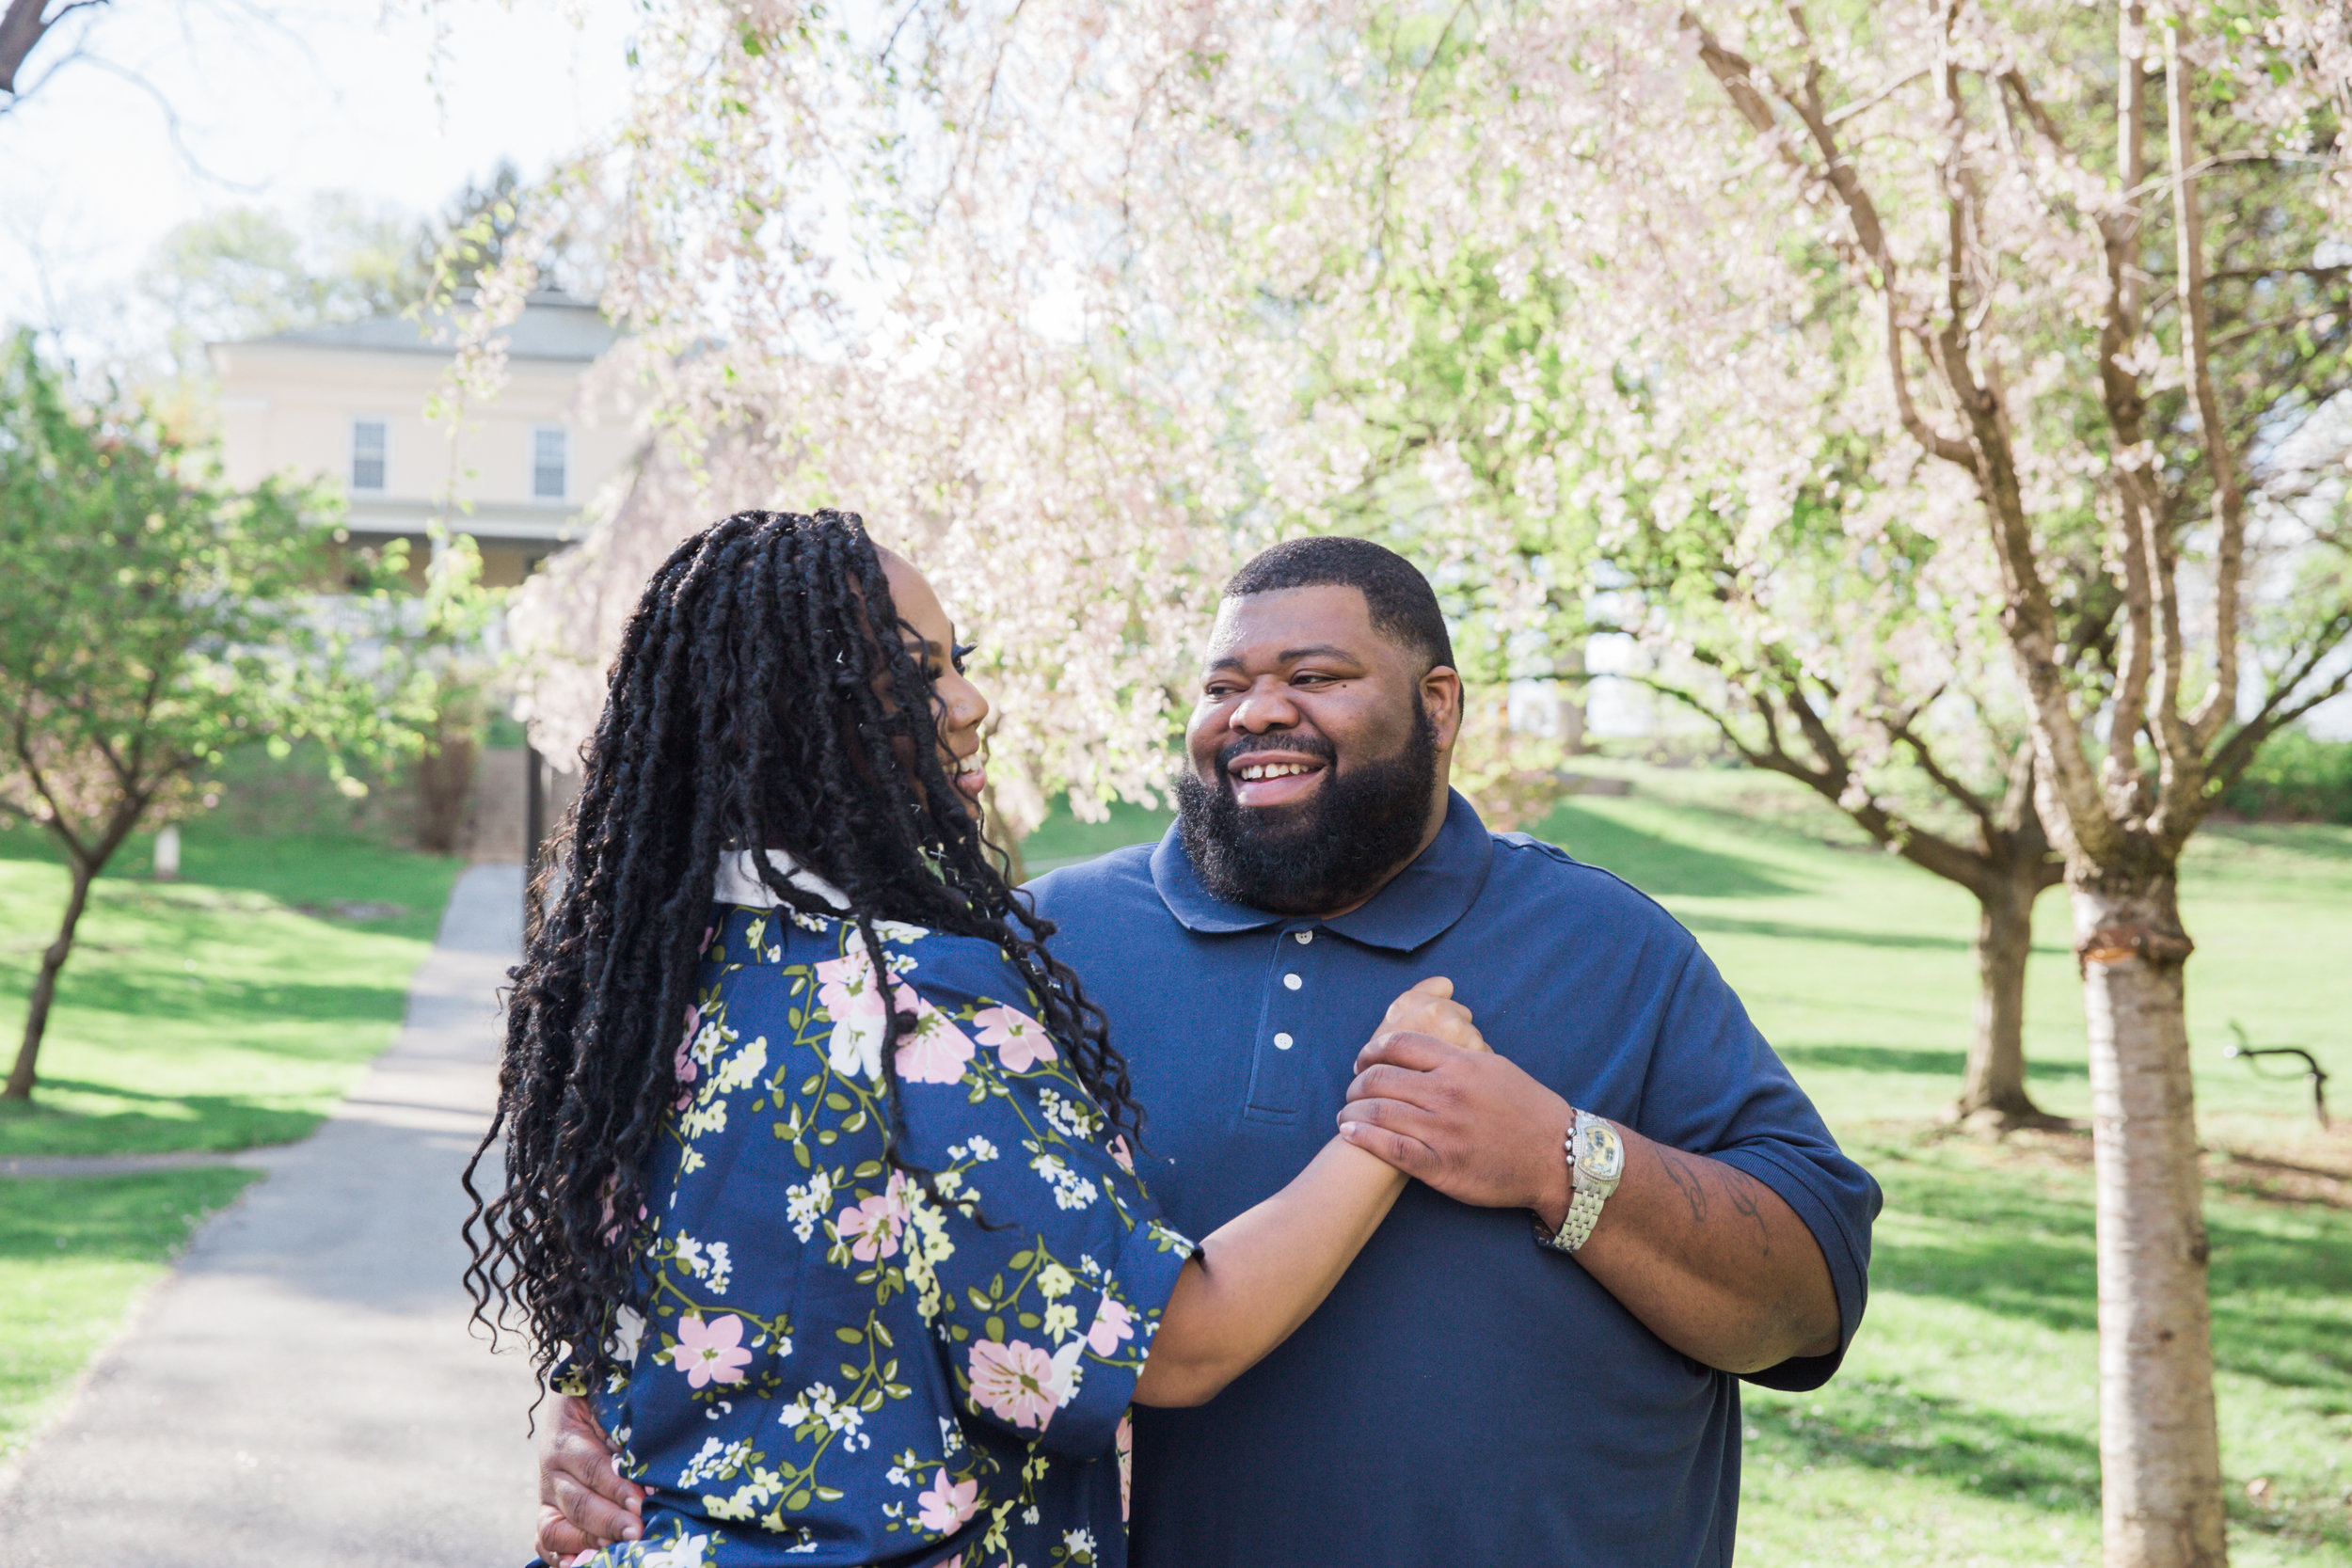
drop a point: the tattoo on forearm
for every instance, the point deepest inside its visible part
(1693, 1177)
(1688, 1179)
(1744, 1201)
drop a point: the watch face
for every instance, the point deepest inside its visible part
(1604, 1153)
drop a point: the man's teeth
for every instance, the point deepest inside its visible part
(1273, 770)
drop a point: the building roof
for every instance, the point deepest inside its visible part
(553, 325)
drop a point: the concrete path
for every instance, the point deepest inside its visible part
(302, 1392)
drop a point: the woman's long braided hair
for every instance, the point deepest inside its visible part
(759, 688)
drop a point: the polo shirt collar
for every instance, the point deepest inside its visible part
(1420, 903)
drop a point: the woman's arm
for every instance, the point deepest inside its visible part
(1261, 1274)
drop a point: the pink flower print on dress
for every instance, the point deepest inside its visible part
(936, 1051)
(1114, 1325)
(946, 1505)
(687, 1070)
(1124, 1442)
(1018, 1041)
(871, 1225)
(851, 996)
(710, 1353)
(1121, 1152)
(1016, 1382)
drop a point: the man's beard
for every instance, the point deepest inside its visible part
(1323, 853)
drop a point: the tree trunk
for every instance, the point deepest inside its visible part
(2158, 1448)
(45, 985)
(1993, 1089)
(444, 782)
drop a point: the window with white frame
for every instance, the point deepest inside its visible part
(551, 463)
(370, 454)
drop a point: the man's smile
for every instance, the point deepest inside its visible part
(1272, 778)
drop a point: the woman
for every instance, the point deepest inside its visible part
(817, 1170)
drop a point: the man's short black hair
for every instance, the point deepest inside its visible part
(1404, 607)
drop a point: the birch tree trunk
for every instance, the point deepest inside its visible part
(2158, 1446)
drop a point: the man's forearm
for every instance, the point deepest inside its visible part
(1710, 1259)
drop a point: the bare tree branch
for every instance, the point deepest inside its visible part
(21, 28)
(2282, 705)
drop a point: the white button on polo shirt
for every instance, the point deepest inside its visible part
(1283, 1042)
(1293, 981)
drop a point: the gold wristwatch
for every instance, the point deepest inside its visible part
(1595, 1165)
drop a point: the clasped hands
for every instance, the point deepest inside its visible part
(1431, 1098)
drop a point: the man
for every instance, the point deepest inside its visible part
(1623, 1208)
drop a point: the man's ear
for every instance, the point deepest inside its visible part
(1441, 696)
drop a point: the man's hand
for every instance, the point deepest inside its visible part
(583, 1501)
(1712, 1260)
(1429, 1008)
(1467, 1123)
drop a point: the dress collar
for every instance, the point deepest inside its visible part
(1420, 902)
(738, 880)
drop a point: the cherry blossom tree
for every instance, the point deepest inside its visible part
(1076, 300)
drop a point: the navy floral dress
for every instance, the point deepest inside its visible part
(832, 1366)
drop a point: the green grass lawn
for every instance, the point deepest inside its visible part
(1964, 1428)
(230, 1008)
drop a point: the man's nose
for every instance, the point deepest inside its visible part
(1265, 706)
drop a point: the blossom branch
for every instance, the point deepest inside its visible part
(2197, 363)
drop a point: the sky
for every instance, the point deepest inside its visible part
(237, 103)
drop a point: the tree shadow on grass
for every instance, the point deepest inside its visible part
(148, 994)
(143, 1219)
(1887, 1058)
(1661, 868)
(209, 1122)
(2022, 1247)
(1884, 1426)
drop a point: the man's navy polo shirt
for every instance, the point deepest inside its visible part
(1464, 1395)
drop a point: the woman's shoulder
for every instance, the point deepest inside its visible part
(922, 957)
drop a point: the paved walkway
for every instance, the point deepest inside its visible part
(302, 1392)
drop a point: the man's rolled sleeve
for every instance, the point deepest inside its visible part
(1715, 1087)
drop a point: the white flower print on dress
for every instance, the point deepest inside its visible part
(806, 1203)
(1074, 1119)
(687, 1551)
(1070, 1190)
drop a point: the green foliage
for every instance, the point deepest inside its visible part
(152, 618)
(247, 272)
(2296, 777)
(480, 222)
(1480, 373)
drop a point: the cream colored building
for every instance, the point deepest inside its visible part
(347, 402)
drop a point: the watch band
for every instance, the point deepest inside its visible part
(1584, 1211)
(1587, 1192)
